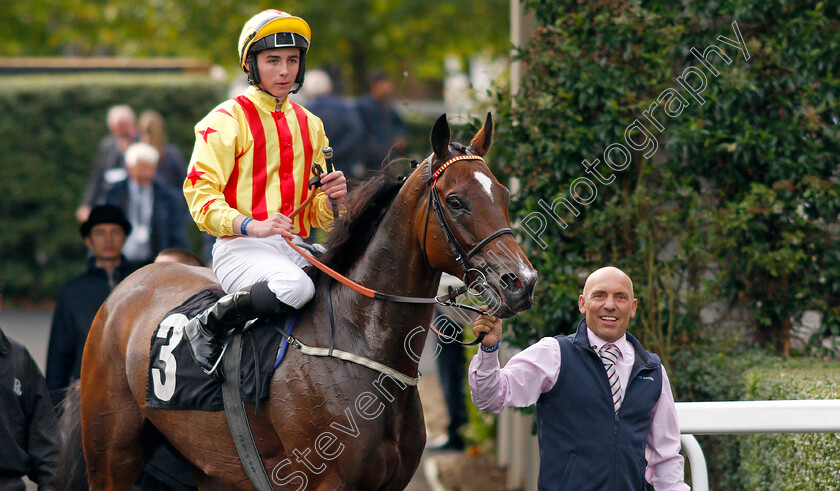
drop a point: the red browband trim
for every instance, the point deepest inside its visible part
(452, 161)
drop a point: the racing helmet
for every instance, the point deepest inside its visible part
(273, 29)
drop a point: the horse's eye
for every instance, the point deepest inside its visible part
(454, 202)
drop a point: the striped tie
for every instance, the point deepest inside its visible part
(609, 355)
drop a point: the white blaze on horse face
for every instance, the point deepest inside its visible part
(486, 183)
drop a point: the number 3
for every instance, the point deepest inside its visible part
(173, 328)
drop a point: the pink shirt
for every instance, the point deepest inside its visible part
(535, 370)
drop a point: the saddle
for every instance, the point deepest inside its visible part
(176, 382)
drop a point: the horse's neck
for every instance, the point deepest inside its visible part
(393, 263)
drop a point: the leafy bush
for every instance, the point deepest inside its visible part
(51, 127)
(728, 223)
(778, 461)
(736, 201)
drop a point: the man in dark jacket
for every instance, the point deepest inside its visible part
(26, 419)
(384, 129)
(606, 417)
(122, 132)
(156, 211)
(341, 121)
(78, 301)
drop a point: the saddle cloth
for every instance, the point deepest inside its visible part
(176, 382)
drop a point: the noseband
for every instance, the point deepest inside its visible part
(461, 255)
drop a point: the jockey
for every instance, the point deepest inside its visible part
(249, 170)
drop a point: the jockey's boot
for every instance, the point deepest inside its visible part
(207, 331)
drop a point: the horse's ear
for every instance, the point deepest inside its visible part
(482, 140)
(441, 137)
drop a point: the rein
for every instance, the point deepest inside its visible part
(461, 255)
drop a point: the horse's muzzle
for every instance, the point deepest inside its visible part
(515, 292)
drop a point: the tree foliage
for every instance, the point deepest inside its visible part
(406, 37)
(732, 217)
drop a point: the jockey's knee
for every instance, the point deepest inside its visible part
(307, 289)
(295, 290)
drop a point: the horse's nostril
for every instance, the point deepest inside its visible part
(512, 282)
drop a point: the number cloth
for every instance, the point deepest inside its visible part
(175, 381)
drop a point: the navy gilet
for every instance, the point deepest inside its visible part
(584, 444)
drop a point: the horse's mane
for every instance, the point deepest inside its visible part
(366, 204)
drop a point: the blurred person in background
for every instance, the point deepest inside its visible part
(104, 233)
(384, 129)
(179, 255)
(451, 364)
(172, 168)
(27, 419)
(341, 122)
(156, 211)
(122, 129)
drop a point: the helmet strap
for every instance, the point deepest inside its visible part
(253, 70)
(301, 73)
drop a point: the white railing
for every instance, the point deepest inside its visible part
(517, 448)
(739, 417)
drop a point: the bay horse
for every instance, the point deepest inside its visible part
(327, 423)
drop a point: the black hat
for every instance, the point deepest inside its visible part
(105, 214)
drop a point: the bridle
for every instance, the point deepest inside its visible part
(462, 256)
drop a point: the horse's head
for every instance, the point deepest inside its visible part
(464, 228)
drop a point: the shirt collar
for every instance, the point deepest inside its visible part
(265, 101)
(136, 190)
(596, 343)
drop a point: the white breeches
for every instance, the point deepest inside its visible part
(240, 262)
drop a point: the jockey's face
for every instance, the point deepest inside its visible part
(608, 303)
(106, 241)
(278, 70)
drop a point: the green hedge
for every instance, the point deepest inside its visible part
(737, 462)
(50, 127)
(716, 373)
(780, 461)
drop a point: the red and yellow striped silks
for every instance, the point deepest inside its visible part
(252, 160)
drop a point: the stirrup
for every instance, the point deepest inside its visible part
(214, 370)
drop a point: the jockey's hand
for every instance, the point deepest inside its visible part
(491, 325)
(276, 224)
(334, 185)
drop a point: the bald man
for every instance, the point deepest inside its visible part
(605, 416)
